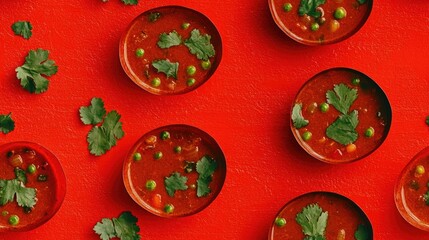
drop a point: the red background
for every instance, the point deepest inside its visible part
(245, 106)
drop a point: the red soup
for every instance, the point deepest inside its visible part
(412, 191)
(321, 215)
(320, 21)
(32, 186)
(340, 115)
(170, 50)
(176, 170)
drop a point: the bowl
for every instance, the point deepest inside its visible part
(412, 191)
(174, 171)
(335, 216)
(311, 24)
(34, 185)
(170, 50)
(340, 115)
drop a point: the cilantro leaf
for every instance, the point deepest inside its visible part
(200, 45)
(6, 123)
(309, 7)
(297, 118)
(30, 74)
(130, 2)
(426, 198)
(22, 28)
(169, 40)
(25, 197)
(165, 66)
(94, 113)
(313, 222)
(98, 140)
(361, 1)
(343, 130)
(205, 168)
(427, 120)
(363, 232)
(113, 126)
(175, 182)
(154, 16)
(20, 175)
(342, 97)
(125, 227)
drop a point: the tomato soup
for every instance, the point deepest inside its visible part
(326, 215)
(340, 115)
(32, 186)
(170, 50)
(320, 21)
(176, 170)
(412, 191)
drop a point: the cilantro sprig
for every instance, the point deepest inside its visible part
(36, 64)
(165, 66)
(175, 182)
(363, 232)
(15, 189)
(101, 137)
(6, 123)
(313, 222)
(125, 227)
(22, 28)
(309, 7)
(341, 97)
(297, 118)
(169, 40)
(205, 167)
(130, 2)
(200, 45)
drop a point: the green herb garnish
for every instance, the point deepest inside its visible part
(363, 232)
(94, 113)
(20, 175)
(205, 168)
(22, 28)
(125, 227)
(175, 182)
(130, 2)
(313, 222)
(169, 40)
(165, 66)
(200, 45)
(6, 123)
(154, 16)
(309, 7)
(30, 74)
(427, 120)
(343, 130)
(297, 118)
(361, 1)
(342, 97)
(25, 197)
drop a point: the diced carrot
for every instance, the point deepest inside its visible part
(157, 201)
(351, 148)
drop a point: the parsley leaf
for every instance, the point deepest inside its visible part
(30, 74)
(22, 28)
(343, 130)
(167, 67)
(20, 175)
(205, 168)
(297, 118)
(363, 232)
(125, 227)
(169, 40)
(130, 2)
(94, 113)
(342, 97)
(6, 123)
(25, 197)
(175, 182)
(309, 7)
(200, 45)
(313, 222)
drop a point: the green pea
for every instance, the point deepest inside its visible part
(324, 107)
(150, 185)
(139, 52)
(31, 168)
(157, 155)
(307, 136)
(165, 135)
(369, 132)
(156, 82)
(314, 27)
(168, 208)
(287, 7)
(280, 222)
(206, 64)
(13, 220)
(190, 82)
(177, 149)
(137, 156)
(185, 25)
(356, 81)
(420, 170)
(340, 13)
(191, 70)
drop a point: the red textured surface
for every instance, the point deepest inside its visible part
(244, 106)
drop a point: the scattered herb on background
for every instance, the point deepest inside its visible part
(165, 66)
(200, 45)
(130, 2)
(169, 40)
(313, 222)
(36, 64)
(363, 233)
(343, 130)
(94, 113)
(6, 123)
(125, 227)
(297, 118)
(175, 182)
(9, 189)
(205, 168)
(342, 97)
(22, 28)
(309, 7)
